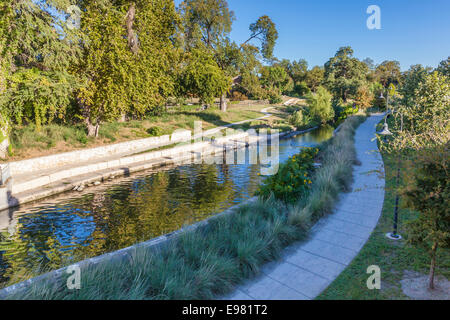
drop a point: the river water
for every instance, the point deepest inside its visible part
(118, 214)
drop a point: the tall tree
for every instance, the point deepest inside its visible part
(388, 72)
(37, 49)
(297, 70)
(210, 22)
(127, 59)
(315, 77)
(209, 19)
(344, 74)
(202, 77)
(425, 138)
(265, 31)
(411, 82)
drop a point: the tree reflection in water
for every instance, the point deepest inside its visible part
(134, 210)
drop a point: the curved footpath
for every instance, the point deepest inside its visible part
(309, 267)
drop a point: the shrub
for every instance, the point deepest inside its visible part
(320, 105)
(301, 89)
(154, 131)
(238, 96)
(292, 179)
(275, 98)
(300, 119)
(342, 112)
(364, 98)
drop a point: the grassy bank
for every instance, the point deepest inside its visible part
(27, 142)
(397, 260)
(209, 262)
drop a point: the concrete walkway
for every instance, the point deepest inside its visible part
(308, 268)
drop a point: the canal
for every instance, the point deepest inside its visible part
(69, 228)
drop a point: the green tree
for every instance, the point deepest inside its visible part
(202, 77)
(320, 107)
(265, 31)
(444, 67)
(344, 74)
(37, 48)
(424, 137)
(411, 81)
(276, 80)
(298, 70)
(119, 73)
(209, 22)
(315, 77)
(250, 67)
(428, 192)
(388, 72)
(426, 117)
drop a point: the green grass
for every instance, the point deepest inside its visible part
(47, 137)
(394, 258)
(28, 142)
(211, 261)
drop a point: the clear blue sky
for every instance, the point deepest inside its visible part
(412, 31)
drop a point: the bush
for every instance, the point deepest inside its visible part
(364, 98)
(320, 105)
(238, 96)
(342, 112)
(154, 131)
(292, 179)
(273, 94)
(301, 89)
(300, 119)
(275, 98)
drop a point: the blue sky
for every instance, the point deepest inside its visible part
(412, 31)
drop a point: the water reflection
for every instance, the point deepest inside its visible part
(135, 209)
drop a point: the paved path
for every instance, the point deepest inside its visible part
(309, 267)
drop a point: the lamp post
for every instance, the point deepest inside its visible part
(385, 133)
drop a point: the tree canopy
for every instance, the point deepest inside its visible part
(344, 74)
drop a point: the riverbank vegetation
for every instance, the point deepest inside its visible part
(398, 260)
(53, 138)
(210, 261)
(88, 80)
(417, 152)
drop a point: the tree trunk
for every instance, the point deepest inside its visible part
(92, 128)
(123, 117)
(433, 266)
(131, 36)
(223, 103)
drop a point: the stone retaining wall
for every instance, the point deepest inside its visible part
(75, 157)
